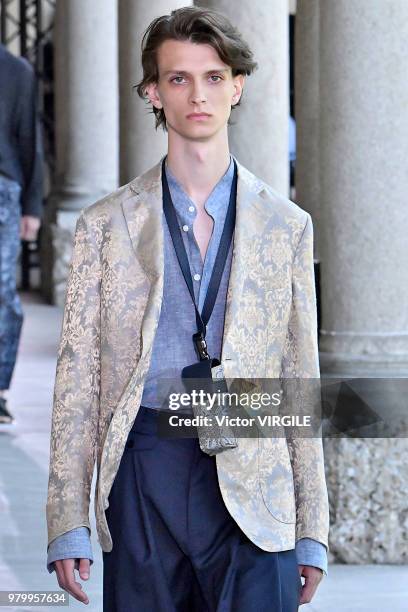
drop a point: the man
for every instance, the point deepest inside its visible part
(185, 530)
(21, 185)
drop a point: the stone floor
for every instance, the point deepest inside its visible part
(24, 456)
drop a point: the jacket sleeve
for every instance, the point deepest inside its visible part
(300, 362)
(76, 392)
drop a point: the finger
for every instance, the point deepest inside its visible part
(70, 584)
(59, 570)
(309, 588)
(61, 574)
(84, 568)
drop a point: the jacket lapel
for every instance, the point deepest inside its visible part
(251, 216)
(143, 214)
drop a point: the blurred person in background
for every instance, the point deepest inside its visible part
(21, 192)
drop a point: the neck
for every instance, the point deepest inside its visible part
(198, 166)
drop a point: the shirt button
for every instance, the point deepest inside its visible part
(185, 228)
(197, 277)
(191, 208)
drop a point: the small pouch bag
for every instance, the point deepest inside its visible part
(216, 436)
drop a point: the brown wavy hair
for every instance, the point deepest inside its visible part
(198, 25)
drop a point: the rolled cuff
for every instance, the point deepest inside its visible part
(74, 544)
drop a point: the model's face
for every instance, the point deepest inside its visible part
(193, 79)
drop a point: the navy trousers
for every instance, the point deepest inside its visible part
(11, 313)
(176, 548)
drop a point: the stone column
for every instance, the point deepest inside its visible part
(86, 123)
(364, 183)
(260, 136)
(307, 180)
(364, 261)
(140, 145)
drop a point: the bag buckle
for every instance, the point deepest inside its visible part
(201, 345)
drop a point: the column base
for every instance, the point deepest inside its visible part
(349, 365)
(367, 481)
(59, 230)
(366, 477)
(380, 354)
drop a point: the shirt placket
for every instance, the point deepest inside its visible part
(186, 211)
(196, 266)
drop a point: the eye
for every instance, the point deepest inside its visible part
(216, 76)
(177, 77)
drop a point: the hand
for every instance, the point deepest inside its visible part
(29, 227)
(313, 576)
(64, 569)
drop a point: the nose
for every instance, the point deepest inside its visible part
(197, 94)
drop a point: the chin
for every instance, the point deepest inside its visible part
(195, 130)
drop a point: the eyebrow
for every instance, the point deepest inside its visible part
(184, 72)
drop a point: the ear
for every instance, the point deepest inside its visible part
(152, 93)
(238, 82)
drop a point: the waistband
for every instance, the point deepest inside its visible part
(154, 412)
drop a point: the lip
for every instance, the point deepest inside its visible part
(198, 116)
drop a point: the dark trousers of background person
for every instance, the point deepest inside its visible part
(11, 314)
(175, 546)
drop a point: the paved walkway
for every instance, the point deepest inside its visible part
(24, 456)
